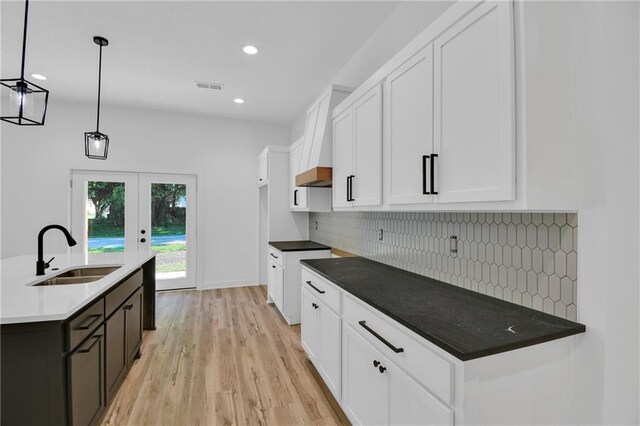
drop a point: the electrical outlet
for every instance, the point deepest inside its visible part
(453, 244)
(380, 234)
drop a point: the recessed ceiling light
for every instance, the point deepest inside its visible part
(38, 76)
(250, 50)
(238, 100)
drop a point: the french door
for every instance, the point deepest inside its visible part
(114, 212)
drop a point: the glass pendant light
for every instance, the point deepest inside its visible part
(23, 102)
(96, 144)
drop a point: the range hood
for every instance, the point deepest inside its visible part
(315, 169)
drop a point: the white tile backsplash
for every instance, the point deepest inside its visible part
(525, 258)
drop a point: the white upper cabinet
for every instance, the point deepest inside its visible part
(343, 147)
(263, 169)
(366, 183)
(297, 195)
(474, 107)
(357, 177)
(408, 123)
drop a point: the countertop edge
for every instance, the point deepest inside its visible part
(463, 356)
(323, 247)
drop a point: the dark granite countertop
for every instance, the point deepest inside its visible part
(464, 323)
(298, 245)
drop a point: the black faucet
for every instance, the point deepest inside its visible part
(41, 265)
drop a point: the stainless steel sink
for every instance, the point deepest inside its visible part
(79, 275)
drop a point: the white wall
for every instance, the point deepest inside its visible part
(36, 164)
(406, 21)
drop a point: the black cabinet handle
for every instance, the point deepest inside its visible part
(96, 340)
(314, 306)
(376, 363)
(433, 174)
(143, 231)
(128, 307)
(295, 197)
(87, 325)
(379, 337)
(350, 186)
(273, 255)
(143, 240)
(348, 192)
(316, 288)
(382, 369)
(424, 175)
(273, 266)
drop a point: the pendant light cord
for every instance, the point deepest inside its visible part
(99, 84)
(24, 37)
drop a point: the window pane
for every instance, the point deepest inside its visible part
(105, 217)
(169, 228)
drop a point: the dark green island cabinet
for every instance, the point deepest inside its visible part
(68, 371)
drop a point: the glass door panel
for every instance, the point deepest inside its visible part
(104, 213)
(167, 226)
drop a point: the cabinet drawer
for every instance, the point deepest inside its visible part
(118, 295)
(275, 255)
(83, 325)
(322, 289)
(424, 365)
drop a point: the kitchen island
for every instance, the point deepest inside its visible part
(70, 346)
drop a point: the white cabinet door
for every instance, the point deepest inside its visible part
(271, 280)
(309, 132)
(263, 170)
(367, 170)
(278, 290)
(365, 388)
(411, 404)
(342, 158)
(408, 130)
(330, 338)
(297, 195)
(474, 107)
(309, 324)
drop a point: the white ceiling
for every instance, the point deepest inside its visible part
(157, 50)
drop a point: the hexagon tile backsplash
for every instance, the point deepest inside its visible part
(525, 258)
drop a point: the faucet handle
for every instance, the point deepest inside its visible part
(48, 263)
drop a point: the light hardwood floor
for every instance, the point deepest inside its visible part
(222, 357)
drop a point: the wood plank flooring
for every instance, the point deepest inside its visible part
(222, 357)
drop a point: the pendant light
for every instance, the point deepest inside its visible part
(23, 102)
(96, 144)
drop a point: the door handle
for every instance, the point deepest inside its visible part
(424, 175)
(348, 193)
(143, 240)
(350, 188)
(295, 197)
(433, 173)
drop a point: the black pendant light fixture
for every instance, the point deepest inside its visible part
(96, 144)
(23, 102)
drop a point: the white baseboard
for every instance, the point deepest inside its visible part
(227, 284)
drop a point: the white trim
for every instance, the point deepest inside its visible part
(228, 284)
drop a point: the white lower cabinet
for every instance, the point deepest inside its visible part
(321, 337)
(276, 283)
(411, 404)
(365, 399)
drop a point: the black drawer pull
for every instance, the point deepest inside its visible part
(273, 266)
(87, 325)
(128, 307)
(433, 174)
(86, 350)
(424, 175)
(273, 255)
(295, 197)
(316, 288)
(314, 306)
(379, 337)
(350, 183)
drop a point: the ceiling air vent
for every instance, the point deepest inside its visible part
(207, 85)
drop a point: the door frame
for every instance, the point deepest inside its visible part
(132, 229)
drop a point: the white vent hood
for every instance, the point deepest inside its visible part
(317, 149)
